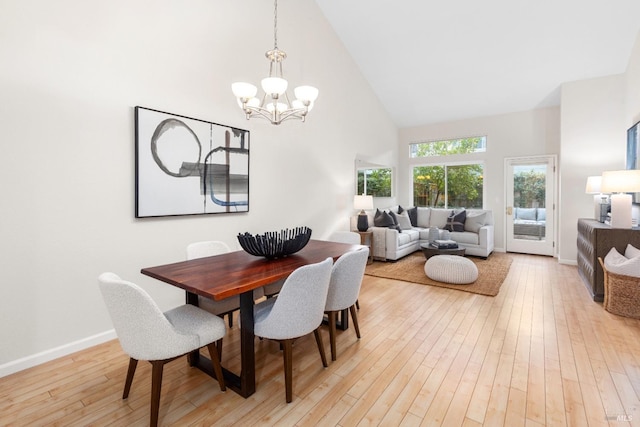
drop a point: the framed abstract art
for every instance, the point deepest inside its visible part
(186, 166)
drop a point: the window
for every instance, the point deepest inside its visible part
(374, 182)
(448, 147)
(448, 186)
(458, 184)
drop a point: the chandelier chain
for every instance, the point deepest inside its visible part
(275, 24)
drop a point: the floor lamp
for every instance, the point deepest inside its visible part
(621, 182)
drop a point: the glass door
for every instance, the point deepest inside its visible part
(530, 205)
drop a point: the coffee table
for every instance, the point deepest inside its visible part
(430, 251)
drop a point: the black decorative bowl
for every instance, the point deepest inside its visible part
(275, 244)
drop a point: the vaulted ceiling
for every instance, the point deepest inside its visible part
(430, 61)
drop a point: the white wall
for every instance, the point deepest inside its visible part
(71, 73)
(593, 140)
(529, 133)
(633, 85)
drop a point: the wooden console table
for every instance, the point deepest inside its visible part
(596, 239)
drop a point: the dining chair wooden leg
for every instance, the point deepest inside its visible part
(358, 304)
(219, 345)
(215, 360)
(320, 347)
(354, 317)
(332, 315)
(156, 386)
(287, 354)
(230, 319)
(133, 363)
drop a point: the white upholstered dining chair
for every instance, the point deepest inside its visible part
(348, 237)
(146, 333)
(297, 311)
(344, 287)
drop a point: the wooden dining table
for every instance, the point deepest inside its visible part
(239, 273)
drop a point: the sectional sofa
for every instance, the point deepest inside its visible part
(475, 232)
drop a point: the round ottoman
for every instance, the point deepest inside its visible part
(451, 269)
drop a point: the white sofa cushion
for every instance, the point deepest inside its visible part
(465, 237)
(438, 217)
(407, 237)
(424, 216)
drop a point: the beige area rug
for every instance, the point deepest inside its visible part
(491, 272)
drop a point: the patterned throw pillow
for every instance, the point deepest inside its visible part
(455, 222)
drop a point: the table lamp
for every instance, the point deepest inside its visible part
(621, 182)
(363, 202)
(600, 200)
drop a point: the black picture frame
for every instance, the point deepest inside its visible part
(187, 166)
(633, 144)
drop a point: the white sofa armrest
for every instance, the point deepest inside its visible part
(485, 237)
(382, 240)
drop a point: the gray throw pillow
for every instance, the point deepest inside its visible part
(403, 220)
(475, 221)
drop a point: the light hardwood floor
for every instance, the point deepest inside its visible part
(540, 353)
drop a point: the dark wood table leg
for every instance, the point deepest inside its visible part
(247, 351)
(245, 383)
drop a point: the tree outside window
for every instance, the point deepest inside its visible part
(374, 182)
(529, 187)
(451, 186)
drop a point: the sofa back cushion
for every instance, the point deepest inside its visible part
(438, 217)
(542, 214)
(528, 214)
(423, 217)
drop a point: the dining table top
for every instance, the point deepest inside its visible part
(223, 276)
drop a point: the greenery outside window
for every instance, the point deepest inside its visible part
(448, 186)
(449, 147)
(529, 187)
(374, 182)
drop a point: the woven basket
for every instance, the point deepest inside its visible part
(621, 293)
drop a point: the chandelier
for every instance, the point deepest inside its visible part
(275, 105)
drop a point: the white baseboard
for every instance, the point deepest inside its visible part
(567, 261)
(54, 353)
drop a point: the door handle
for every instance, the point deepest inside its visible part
(509, 210)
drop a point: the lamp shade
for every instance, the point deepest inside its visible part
(274, 85)
(363, 202)
(622, 181)
(593, 185)
(244, 90)
(306, 93)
